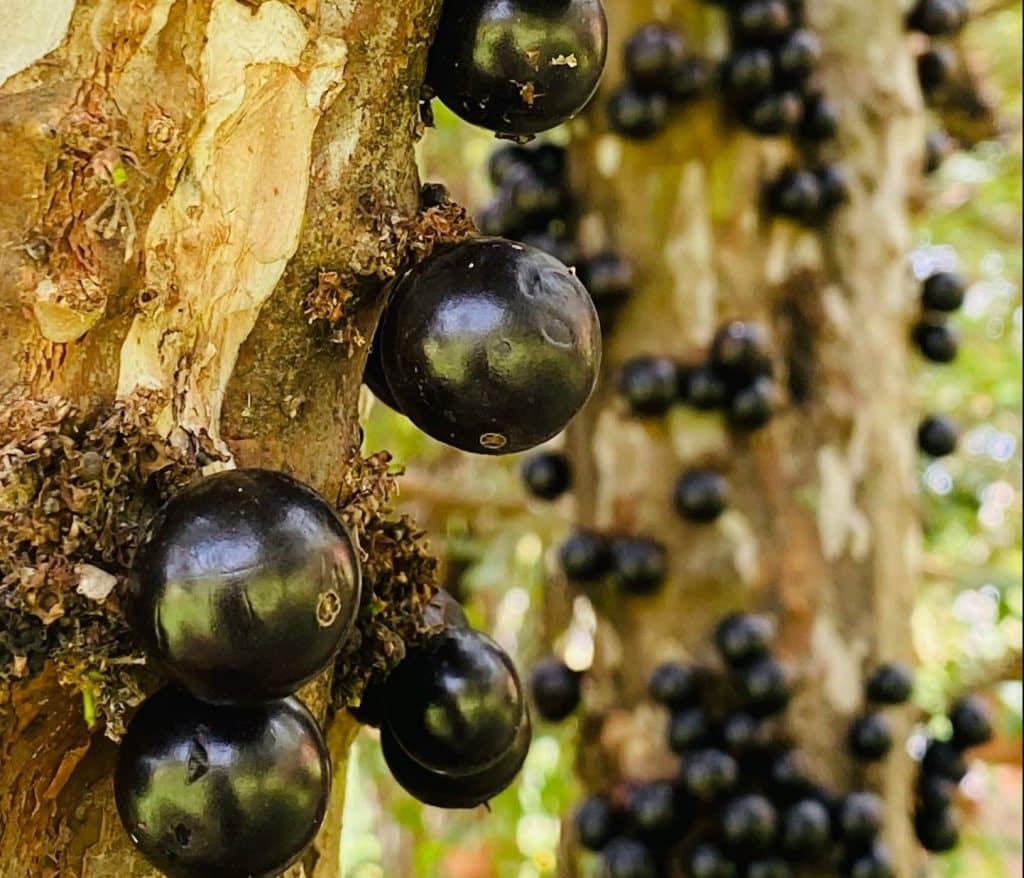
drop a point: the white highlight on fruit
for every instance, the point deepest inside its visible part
(31, 30)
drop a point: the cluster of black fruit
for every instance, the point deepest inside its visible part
(736, 379)
(518, 67)
(534, 204)
(942, 768)
(937, 18)
(243, 587)
(741, 804)
(870, 735)
(660, 74)
(454, 724)
(555, 689)
(637, 565)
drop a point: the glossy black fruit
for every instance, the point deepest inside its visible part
(766, 686)
(935, 793)
(548, 475)
(651, 809)
(648, 385)
(674, 684)
(455, 791)
(972, 725)
(555, 689)
(491, 346)
(709, 773)
(637, 115)
(768, 867)
(749, 823)
(585, 556)
(373, 376)
(708, 861)
(805, 828)
(596, 821)
(746, 74)
(640, 564)
(935, 339)
(834, 184)
(532, 198)
(935, 69)
(937, 436)
(703, 388)
(937, 831)
(244, 585)
(518, 68)
(627, 858)
(742, 637)
(506, 158)
(859, 817)
(701, 495)
(870, 737)
(891, 683)
(690, 79)
(687, 728)
(498, 218)
(937, 18)
(876, 862)
(819, 121)
(651, 56)
(455, 704)
(739, 351)
(797, 57)
(784, 771)
(943, 291)
(796, 194)
(942, 759)
(774, 114)
(739, 732)
(221, 791)
(762, 20)
(608, 278)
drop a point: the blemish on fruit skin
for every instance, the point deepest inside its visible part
(493, 441)
(328, 606)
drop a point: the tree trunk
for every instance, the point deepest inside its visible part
(179, 180)
(821, 529)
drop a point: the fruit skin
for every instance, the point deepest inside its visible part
(936, 830)
(806, 828)
(244, 585)
(373, 376)
(934, 69)
(749, 823)
(870, 737)
(743, 637)
(859, 817)
(797, 57)
(547, 476)
(652, 811)
(651, 55)
(748, 73)
(640, 564)
(701, 496)
(943, 291)
(762, 21)
(627, 858)
(703, 388)
(891, 683)
(773, 114)
(608, 278)
(555, 688)
(709, 773)
(708, 861)
(637, 115)
(648, 385)
(221, 791)
(752, 406)
(819, 121)
(937, 436)
(935, 793)
(456, 791)
(491, 346)
(766, 686)
(674, 684)
(690, 79)
(972, 725)
(937, 18)
(796, 194)
(455, 704)
(585, 556)
(768, 867)
(941, 758)
(935, 339)
(500, 64)
(596, 821)
(687, 728)
(876, 862)
(739, 731)
(834, 183)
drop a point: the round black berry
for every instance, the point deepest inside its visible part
(245, 585)
(937, 436)
(506, 158)
(859, 817)
(687, 728)
(674, 684)
(943, 291)
(876, 862)
(690, 79)
(608, 278)
(834, 183)
(935, 793)
(627, 858)
(651, 55)
(739, 351)
(547, 476)
(766, 686)
(749, 73)
(749, 823)
(648, 385)
(555, 689)
(768, 867)
(972, 725)
(709, 773)
(639, 564)
(703, 388)
(739, 732)
(797, 57)
(796, 194)
(805, 828)
(585, 556)
(870, 737)
(937, 18)
(936, 830)
(742, 637)
(773, 114)
(596, 821)
(708, 861)
(819, 121)
(936, 339)
(701, 495)
(891, 683)
(942, 759)
(762, 20)
(935, 69)
(637, 115)
(651, 809)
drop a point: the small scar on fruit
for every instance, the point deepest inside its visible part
(327, 608)
(493, 441)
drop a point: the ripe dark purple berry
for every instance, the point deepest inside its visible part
(608, 278)
(231, 791)
(937, 436)
(555, 689)
(627, 858)
(490, 346)
(596, 821)
(455, 704)
(639, 564)
(937, 831)
(651, 809)
(935, 793)
(936, 339)
(819, 121)
(972, 725)
(585, 556)
(244, 585)
(518, 68)
(739, 732)
(797, 195)
(749, 823)
(762, 20)
(860, 817)
(637, 115)
(690, 79)
(891, 683)
(739, 351)
(708, 861)
(942, 759)
(766, 686)
(703, 388)
(548, 475)
(749, 73)
(797, 57)
(648, 385)
(805, 828)
(533, 200)
(773, 114)
(504, 159)
(937, 18)
(701, 495)
(373, 377)
(870, 737)
(943, 291)
(674, 684)
(651, 55)
(768, 867)
(687, 728)
(708, 774)
(935, 69)
(875, 862)
(834, 183)
(743, 637)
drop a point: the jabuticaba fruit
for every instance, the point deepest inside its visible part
(455, 704)
(518, 67)
(210, 791)
(491, 346)
(244, 586)
(373, 376)
(443, 790)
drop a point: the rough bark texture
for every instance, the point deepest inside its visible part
(822, 529)
(178, 177)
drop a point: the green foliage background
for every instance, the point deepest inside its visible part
(967, 623)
